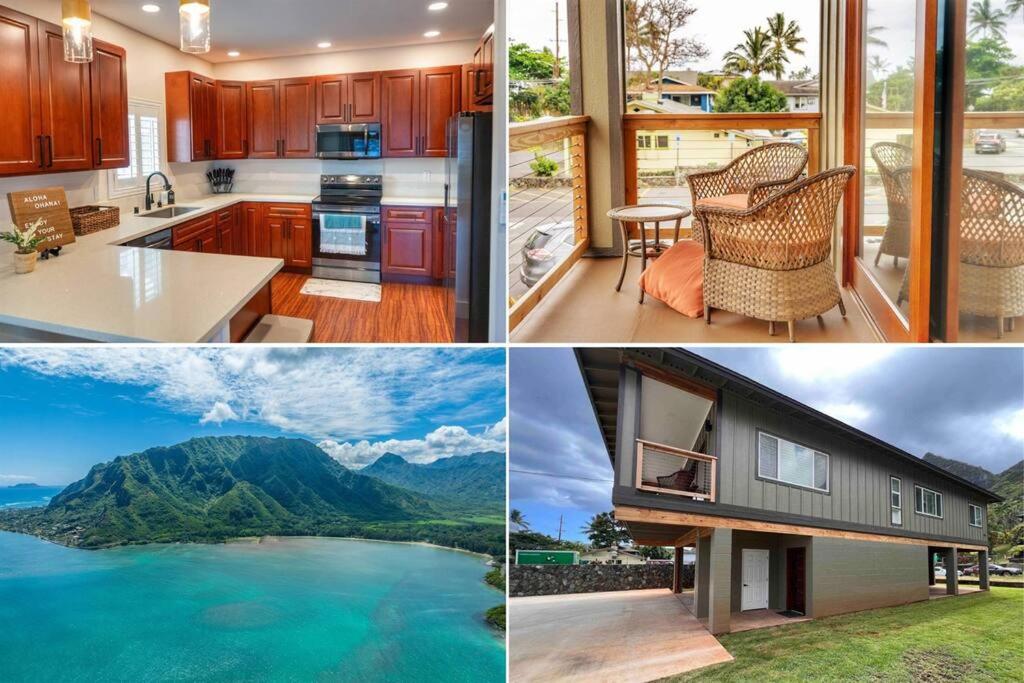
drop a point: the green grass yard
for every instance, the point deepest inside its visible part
(977, 637)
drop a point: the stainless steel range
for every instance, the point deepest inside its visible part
(346, 228)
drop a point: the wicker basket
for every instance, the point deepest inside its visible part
(89, 219)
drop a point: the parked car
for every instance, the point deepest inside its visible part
(941, 572)
(1020, 132)
(989, 143)
(994, 570)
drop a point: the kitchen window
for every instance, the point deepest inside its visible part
(144, 135)
(975, 512)
(896, 500)
(927, 502)
(790, 463)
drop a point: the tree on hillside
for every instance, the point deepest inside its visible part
(753, 56)
(528, 64)
(517, 518)
(785, 38)
(987, 20)
(653, 40)
(605, 531)
(750, 95)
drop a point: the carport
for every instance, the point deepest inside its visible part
(623, 636)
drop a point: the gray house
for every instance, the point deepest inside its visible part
(788, 508)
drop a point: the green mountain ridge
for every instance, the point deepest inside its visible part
(477, 478)
(214, 488)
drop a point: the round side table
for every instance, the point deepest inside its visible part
(643, 214)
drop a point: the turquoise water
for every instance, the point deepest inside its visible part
(281, 610)
(21, 497)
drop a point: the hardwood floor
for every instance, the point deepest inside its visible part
(405, 314)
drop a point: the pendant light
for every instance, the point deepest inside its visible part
(195, 26)
(76, 20)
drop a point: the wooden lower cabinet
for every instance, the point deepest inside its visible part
(254, 237)
(289, 234)
(198, 235)
(283, 231)
(408, 242)
(230, 236)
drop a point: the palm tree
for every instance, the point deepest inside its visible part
(988, 21)
(752, 56)
(785, 37)
(1014, 6)
(516, 517)
(873, 38)
(877, 66)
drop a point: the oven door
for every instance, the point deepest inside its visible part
(347, 243)
(348, 141)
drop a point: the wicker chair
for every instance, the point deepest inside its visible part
(891, 158)
(771, 261)
(758, 174)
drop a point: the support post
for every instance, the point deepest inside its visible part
(952, 585)
(931, 567)
(701, 576)
(677, 571)
(720, 584)
(983, 569)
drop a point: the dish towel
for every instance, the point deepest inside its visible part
(341, 234)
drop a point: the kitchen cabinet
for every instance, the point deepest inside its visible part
(22, 144)
(469, 76)
(482, 87)
(264, 110)
(408, 247)
(66, 106)
(230, 236)
(253, 238)
(282, 119)
(441, 90)
(348, 98)
(232, 121)
(416, 106)
(288, 231)
(109, 83)
(444, 244)
(191, 116)
(197, 235)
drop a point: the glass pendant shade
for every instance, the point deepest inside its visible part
(195, 26)
(76, 20)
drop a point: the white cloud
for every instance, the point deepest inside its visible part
(7, 479)
(813, 365)
(220, 412)
(1011, 424)
(850, 412)
(443, 442)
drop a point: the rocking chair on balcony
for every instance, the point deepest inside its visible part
(892, 159)
(750, 178)
(772, 261)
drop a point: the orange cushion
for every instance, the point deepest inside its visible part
(726, 201)
(677, 278)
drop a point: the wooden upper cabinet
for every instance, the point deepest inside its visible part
(332, 99)
(483, 67)
(109, 77)
(66, 105)
(298, 118)
(191, 116)
(364, 98)
(441, 92)
(232, 121)
(400, 113)
(264, 109)
(348, 98)
(21, 141)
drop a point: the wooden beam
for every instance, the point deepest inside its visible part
(523, 136)
(687, 539)
(628, 513)
(784, 120)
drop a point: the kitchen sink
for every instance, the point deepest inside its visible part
(170, 212)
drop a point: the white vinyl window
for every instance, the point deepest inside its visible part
(790, 463)
(896, 500)
(927, 502)
(144, 144)
(975, 512)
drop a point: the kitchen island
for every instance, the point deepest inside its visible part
(100, 291)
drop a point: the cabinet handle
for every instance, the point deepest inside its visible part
(42, 153)
(49, 145)
(99, 154)
(245, 148)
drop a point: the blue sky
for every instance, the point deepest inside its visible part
(963, 403)
(63, 410)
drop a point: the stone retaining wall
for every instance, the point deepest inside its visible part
(527, 580)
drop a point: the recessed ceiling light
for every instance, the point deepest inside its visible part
(323, 45)
(431, 34)
(437, 6)
(152, 9)
(234, 53)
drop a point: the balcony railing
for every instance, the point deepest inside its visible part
(549, 226)
(665, 469)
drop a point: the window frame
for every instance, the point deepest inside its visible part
(895, 508)
(827, 491)
(114, 188)
(938, 502)
(971, 507)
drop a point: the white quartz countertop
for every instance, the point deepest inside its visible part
(100, 291)
(398, 200)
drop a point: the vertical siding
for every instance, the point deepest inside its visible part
(855, 575)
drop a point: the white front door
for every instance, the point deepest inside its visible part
(754, 594)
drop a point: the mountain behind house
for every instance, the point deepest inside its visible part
(216, 488)
(477, 478)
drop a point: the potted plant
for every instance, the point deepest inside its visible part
(26, 243)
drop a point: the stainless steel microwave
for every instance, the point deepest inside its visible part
(348, 141)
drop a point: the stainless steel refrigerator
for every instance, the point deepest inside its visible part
(467, 224)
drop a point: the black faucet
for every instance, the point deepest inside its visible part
(149, 196)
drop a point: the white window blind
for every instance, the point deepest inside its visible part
(791, 463)
(144, 146)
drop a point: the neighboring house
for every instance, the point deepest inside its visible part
(611, 556)
(695, 98)
(660, 150)
(787, 507)
(801, 96)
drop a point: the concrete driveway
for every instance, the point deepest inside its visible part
(639, 635)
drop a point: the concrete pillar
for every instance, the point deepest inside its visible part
(677, 571)
(701, 576)
(949, 560)
(983, 569)
(720, 583)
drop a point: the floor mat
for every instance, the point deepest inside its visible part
(340, 289)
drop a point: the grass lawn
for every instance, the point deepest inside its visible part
(968, 638)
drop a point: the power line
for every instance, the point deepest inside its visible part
(559, 476)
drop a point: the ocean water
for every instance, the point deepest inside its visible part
(280, 610)
(22, 497)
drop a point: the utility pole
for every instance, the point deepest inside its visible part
(558, 46)
(559, 528)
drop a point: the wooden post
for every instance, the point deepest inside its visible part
(677, 571)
